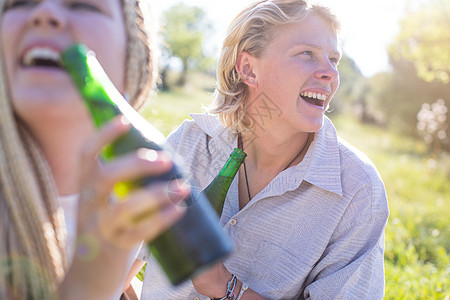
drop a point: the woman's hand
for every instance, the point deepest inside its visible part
(213, 284)
(109, 230)
(213, 281)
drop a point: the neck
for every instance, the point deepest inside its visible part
(268, 155)
(61, 146)
(269, 151)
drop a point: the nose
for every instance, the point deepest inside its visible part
(47, 15)
(327, 72)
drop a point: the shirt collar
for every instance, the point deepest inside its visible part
(211, 125)
(323, 162)
(324, 169)
(222, 140)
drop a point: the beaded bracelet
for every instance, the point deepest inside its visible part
(244, 287)
(230, 288)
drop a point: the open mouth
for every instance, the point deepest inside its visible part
(317, 99)
(42, 57)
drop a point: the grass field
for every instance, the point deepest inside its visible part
(417, 257)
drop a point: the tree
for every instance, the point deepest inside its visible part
(398, 96)
(351, 93)
(424, 39)
(184, 31)
(432, 124)
(420, 60)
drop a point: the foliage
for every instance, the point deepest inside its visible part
(395, 98)
(420, 60)
(140, 275)
(418, 231)
(432, 124)
(170, 109)
(184, 29)
(352, 88)
(424, 39)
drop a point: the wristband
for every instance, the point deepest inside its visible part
(230, 288)
(244, 287)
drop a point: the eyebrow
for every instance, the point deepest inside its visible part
(314, 46)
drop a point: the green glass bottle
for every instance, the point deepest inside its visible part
(217, 190)
(194, 242)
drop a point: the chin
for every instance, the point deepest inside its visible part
(312, 125)
(45, 105)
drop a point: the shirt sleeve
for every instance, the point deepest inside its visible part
(352, 266)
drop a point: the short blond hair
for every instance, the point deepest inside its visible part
(252, 31)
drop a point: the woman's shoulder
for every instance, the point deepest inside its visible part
(355, 161)
(352, 162)
(361, 180)
(193, 129)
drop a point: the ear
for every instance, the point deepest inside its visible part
(244, 67)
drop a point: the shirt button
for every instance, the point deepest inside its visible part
(196, 298)
(233, 222)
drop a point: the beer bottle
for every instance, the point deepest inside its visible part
(194, 242)
(217, 190)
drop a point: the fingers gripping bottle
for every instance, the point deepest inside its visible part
(194, 242)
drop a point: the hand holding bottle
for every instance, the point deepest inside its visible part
(197, 240)
(108, 230)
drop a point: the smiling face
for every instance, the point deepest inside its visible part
(33, 34)
(298, 73)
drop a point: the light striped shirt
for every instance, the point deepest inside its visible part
(316, 231)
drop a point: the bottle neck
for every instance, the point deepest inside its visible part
(92, 82)
(233, 163)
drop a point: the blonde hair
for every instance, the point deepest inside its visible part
(252, 31)
(33, 257)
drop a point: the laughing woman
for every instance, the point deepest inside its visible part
(307, 211)
(60, 235)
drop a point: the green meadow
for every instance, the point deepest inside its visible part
(417, 261)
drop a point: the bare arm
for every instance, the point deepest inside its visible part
(134, 270)
(213, 284)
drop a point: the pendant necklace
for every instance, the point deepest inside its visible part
(241, 146)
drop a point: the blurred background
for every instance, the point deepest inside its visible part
(392, 104)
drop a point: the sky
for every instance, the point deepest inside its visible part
(368, 26)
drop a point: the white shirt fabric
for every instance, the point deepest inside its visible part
(69, 204)
(316, 231)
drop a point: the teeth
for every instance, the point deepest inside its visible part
(41, 53)
(314, 95)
